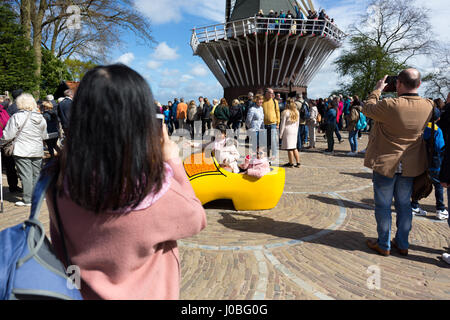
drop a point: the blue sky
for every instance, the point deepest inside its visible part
(173, 71)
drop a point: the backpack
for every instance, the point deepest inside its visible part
(304, 111)
(362, 122)
(29, 270)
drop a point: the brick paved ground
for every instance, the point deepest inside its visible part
(311, 246)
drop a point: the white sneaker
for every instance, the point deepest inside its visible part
(442, 214)
(446, 257)
(352, 154)
(419, 212)
(22, 204)
(363, 151)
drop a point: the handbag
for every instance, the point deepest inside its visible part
(423, 184)
(8, 148)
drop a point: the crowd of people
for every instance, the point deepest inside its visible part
(32, 125)
(109, 168)
(286, 22)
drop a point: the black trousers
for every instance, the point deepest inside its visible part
(11, 174)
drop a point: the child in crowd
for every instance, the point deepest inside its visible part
(225, 150)
(439, 144)
(256, 166)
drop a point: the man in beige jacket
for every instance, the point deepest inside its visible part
(396, 152)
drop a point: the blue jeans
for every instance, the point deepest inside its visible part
(302, 136)
(272, 139)
(338, 134)
(438, 192)
(353, 139)
(399, 188)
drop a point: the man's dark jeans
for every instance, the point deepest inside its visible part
(330, 138)
(272, 140)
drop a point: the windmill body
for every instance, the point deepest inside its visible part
(250, 52)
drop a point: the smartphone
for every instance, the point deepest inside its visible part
(160, 118)
(391, 84)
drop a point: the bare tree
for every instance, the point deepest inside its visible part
(398, 28)
(437, 83)
(51, 24)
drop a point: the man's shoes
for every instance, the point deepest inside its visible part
(22, 204)
(374, 246)
(352, 154)
(328, 152)
(442, 214)
(446, 257)
(419, 212)
(403, 252)
(297, 165)
(288, 165)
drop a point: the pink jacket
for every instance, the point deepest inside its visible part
(131, 255)
(256, 167)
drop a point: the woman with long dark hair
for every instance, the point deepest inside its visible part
(122, 192)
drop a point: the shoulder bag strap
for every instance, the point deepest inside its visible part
(60, 227)
(21, 128)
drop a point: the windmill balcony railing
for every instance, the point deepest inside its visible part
(275, 26)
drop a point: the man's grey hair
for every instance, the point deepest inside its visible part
(50, 97)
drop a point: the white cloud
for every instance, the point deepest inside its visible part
(167, 11)
(126, 58)
(186, 77)
(164, 52)
(199, 71)
(152, 64)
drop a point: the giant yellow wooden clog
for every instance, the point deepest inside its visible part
(211, 182)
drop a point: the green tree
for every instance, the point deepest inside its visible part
(365, 64)
(78, 68)
(53, 72)
(17, 67)
(387, 36)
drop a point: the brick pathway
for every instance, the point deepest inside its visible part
(311, 246)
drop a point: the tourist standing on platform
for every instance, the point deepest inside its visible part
(312, 124)
(182, 114)
(51, 117)
(396, 152)
(289, 132)
(271, 122)
(222, 113)
(255, 120)
(206, 115)
(30, 128)
(444, 175)
(122, 212)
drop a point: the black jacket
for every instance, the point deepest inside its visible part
(206, 112)
(64, 112)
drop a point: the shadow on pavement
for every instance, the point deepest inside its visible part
(339, 239)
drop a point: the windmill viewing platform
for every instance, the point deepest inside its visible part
(253, 52)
